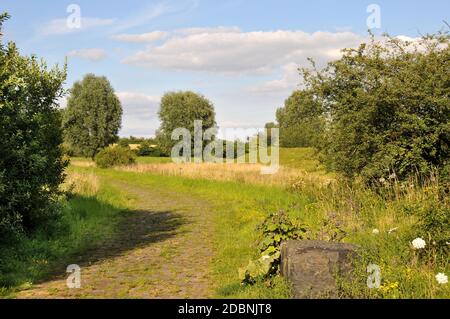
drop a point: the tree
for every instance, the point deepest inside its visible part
(301, 120)
(180, 110)
(31, 162)
(389, 110)
(93, 116)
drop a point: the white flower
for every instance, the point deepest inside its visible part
(265, 257)
(419, 243)
(382, 180)
(392, 230)
(442, 278)
(375, 231)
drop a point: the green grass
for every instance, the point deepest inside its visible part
(238, 209)
(153, 160)
(84, 223)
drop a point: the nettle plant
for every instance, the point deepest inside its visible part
(275, 229)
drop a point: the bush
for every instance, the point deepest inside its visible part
(114, 156)
(276, 228)
(123, 143)
(387, 106)
(31, 161)
(145, 149)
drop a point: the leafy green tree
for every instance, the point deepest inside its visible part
(301, 120)
(93, 116)
(180, 110)
(389, 108)
(31, 162)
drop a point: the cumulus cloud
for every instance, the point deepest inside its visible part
(141, 38)
(211, 30)
(139, 113)
(232, 51)
(89, 54)
(60, 26)
(287, 83)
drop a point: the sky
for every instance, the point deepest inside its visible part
(243, 55)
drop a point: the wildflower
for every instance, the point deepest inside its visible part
(375, 231)
(418, 243)
(392, 230)
(382, 180)
(442, 278)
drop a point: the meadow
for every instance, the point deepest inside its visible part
(225, 205)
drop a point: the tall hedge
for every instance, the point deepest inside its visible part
(31, 163)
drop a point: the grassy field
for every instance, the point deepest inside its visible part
(228, 210)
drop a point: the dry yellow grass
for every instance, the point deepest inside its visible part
(244, 173)
(85, 163)
(86, 184)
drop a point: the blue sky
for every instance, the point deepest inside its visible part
(241, 54)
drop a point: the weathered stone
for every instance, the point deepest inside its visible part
(311, 266)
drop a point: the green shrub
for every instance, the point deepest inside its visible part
(123, 143)
(145, 149)
(276, 228)
(114, 156)
(434, 224)
(31, 161)
(388, 108)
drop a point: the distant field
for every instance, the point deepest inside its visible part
(302, 158)
(296, 163)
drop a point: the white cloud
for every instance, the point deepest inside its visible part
(89, 54)
(231, 51)
(144, 37)
(139, 113)
(145, 15)
(211, 30)
(60, 26)
(287, 83)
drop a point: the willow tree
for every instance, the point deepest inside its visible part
(180, 110)
(93, 116)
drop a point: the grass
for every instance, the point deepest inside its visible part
(88, 218)
(153, 160)
(240, 200)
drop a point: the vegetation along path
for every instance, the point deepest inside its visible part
(163, 250)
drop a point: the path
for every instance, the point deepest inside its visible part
(162, 250)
